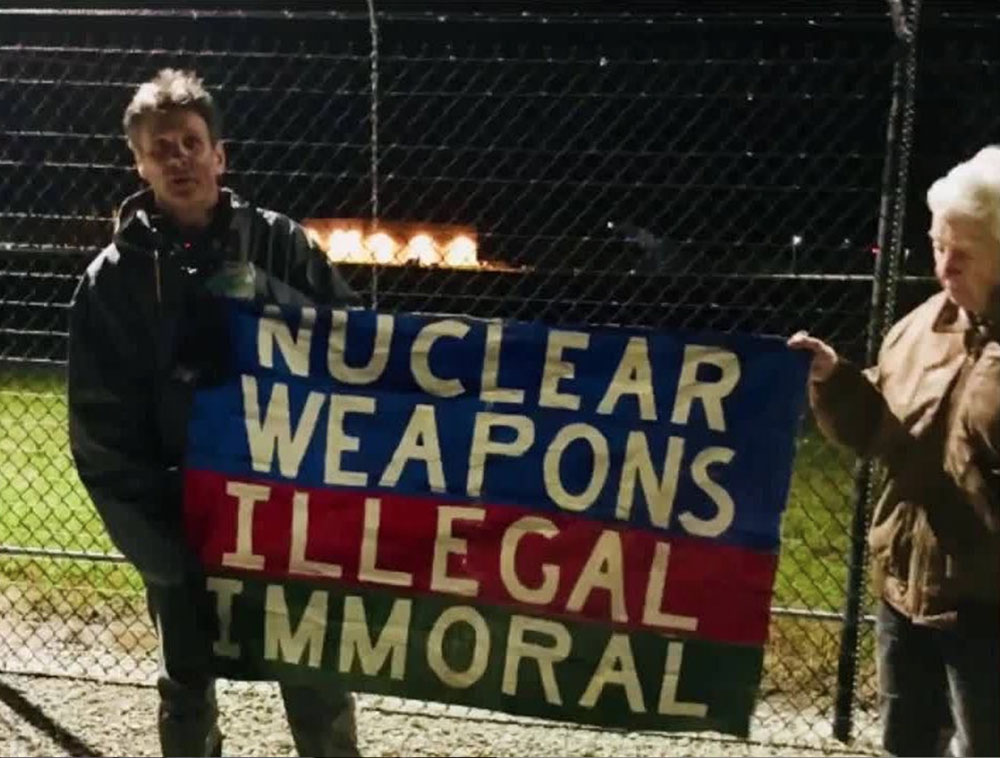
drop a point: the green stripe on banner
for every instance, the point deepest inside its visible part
(430, 648)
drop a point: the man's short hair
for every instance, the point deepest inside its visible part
(172, 89)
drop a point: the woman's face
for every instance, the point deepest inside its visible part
(966, 260)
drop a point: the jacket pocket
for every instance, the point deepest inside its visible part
(890, 537)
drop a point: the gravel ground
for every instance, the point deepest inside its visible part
(81, 712)
(63, 717)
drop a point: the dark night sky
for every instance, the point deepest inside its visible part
(706, 174)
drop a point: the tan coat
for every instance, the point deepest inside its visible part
(930, 411)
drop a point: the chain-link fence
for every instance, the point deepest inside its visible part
(729, 172)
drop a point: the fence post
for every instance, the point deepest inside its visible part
(373, 75)
(895, 176)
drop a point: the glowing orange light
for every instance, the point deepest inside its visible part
(398, 243)
(346, 245)
(461, 251)
(382, 247)
(422, 249)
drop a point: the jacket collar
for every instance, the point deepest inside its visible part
(141, 226)
(977, 330)
(951, 318)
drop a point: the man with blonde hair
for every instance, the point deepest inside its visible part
(145, 332)
(930, 412)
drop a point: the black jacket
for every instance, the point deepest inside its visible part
(145, 331)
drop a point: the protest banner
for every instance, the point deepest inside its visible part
(573, 523)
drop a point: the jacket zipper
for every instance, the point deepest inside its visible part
(156, 276)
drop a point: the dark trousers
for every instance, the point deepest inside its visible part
(936, 683)
(321, 719)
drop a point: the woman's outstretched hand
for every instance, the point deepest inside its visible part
(824, 357)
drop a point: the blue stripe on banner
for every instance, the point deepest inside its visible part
(745, 460)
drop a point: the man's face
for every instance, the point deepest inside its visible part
(966, 260)
(174, 153)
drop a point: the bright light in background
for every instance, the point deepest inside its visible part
(382, 246)
(461, 251)
(397, 243)
(422, 249)
(346, 245)
(796, 240)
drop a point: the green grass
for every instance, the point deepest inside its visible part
(43, 505)
(815, 534)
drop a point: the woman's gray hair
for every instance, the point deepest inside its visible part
(972, 189)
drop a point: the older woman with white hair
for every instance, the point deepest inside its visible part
(930, 412)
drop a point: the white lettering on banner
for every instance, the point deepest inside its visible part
(669, 705)
(280, 438)
(552, 469)
(225, 591)
(659, 492)
(419, 443)
(634, 376)
(247, 495)
(383, 649)
(356, 641)
(591, 432)
(297, 561)
(420, 354)
(545, 656)
(711, 394)
(483, 445)
(459, 614)
(617, 666)
(272, 330)
(367, 570)
(556, 369)
(276, 428)
(652, 609)
(377, 361)
(726, 512)
(447, 544)
(604, 570)
(339, 441)
(546, 591)
(490, 390)
(287, 646)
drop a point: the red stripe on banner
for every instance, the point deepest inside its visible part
(551, 563)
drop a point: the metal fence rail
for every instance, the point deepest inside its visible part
(726, 172)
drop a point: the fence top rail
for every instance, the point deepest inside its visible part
(817, 18)
(957, 18)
